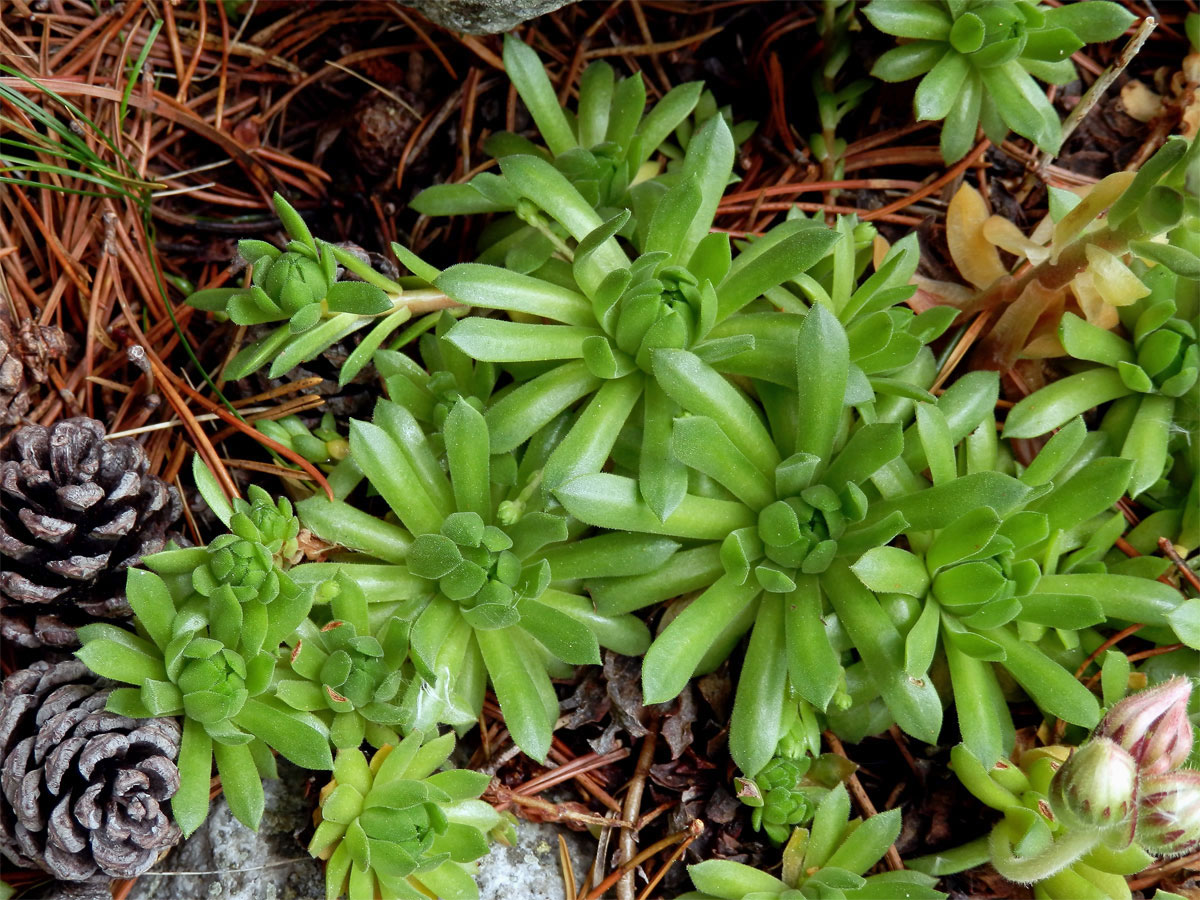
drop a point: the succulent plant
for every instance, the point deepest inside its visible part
(775, 795)
(397, 827)
(210, 658)
(238, 586)
(300, 286)
(605, 149)
(983, 590)
(220, 695)
(323, 444)
(801, 514)
(1147, 377)
(353, 679)
(677, 291)
(1168, 816)
(471, 556)
(430, 392)
(827, 861)
(835, 100)
(978, 60)
(1077, 820)
(786, 791)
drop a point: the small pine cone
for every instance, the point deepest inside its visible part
(25, 354)
(76, 511)
(85, 791)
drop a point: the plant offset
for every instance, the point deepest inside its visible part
(957, 516)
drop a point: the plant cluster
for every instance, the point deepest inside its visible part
(397, 827)
(978, 61)
(1077, 820)
(827, 861)
(629, 410)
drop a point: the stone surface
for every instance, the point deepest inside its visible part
(484, 16)
(225, 860)
(531, 869)
(235, 863)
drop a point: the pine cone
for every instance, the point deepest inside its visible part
(84, 790)
(25, 354)
(77, 511)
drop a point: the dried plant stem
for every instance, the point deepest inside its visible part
(1093, 94)
(503, 794)
(693, 831)
(1169, 551)
(934, 186)
(1152, 875)
(862, 800)
(633, 806)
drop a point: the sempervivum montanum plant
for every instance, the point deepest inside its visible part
(815, 483)
(472, 562)
(787, 790)
(85, 791)
(299, 286)
(1151, 378)
(322, 444)
(430, 389)
(1078, 820)
(827, 861)
(397, 827)
(354, 679)
(612, 313)
(817, 486)
(986, 590)
(76, 510)
(606, 149)
(978, 60)
(210, 621)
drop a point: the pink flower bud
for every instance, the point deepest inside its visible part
(1153, 726)
(1097, 787)
(1169, 813)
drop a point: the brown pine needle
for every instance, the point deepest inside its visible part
(568, 871)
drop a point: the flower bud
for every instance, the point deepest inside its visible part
(1153, 726)
(1097, 786)
(1169, 813)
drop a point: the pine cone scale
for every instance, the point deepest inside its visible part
(68, 835)
(13, 548)
(80, 568)
(19, 587)
(46, 528)
(59, 761)
(119, 526)
(87, 810)
(80, 497)
(21, 784)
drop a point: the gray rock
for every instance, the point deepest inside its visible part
(235, 863)
(238, 864)
(484, 16)
(531, 869)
